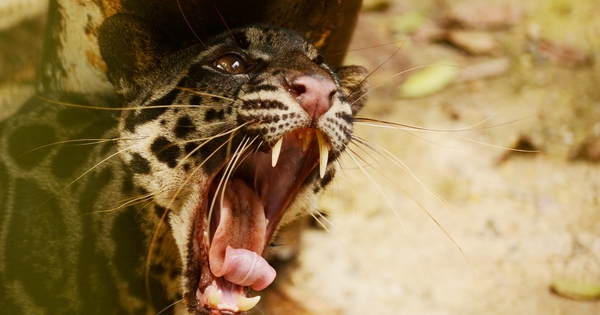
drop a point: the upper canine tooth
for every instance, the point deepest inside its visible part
(245, 304)
(323, 153)
(276, 151)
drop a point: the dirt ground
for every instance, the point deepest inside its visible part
(459, 223)
(450, 218)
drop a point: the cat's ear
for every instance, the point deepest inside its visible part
(354, 84)
(135, 51)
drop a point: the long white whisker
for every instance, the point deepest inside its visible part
(231, 166)
(376, 85)
(206, 140)
(396, 161)
(130, 202)
(354, 258)
(169, 306)
(379, 190)
(160, 222)
(89, 170)
(391, 157)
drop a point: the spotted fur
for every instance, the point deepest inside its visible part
(84, 190)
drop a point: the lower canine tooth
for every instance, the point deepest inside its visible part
(245, 304)
(276, 151)
(323, 153)
(215, 298)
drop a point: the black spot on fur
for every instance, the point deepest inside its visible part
(143, 116)
(97, 182)
(184, 127)
(128, 235)
(256, 81)
(346, 117)
(25, 145)
(216, 150)
(260, 88)
(196, 100)
(93, 265)
(190, 147)
(212, 114)
(166, 151)
(175, 274)
(318, 59)
(166, 100)
(264, 104)
(326, 179)
(159, 211)
(128, 187)
(70, 158)
(139, 165)
(241, 40)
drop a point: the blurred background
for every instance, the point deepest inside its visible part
(483, 198)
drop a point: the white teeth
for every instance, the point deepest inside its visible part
(245, 304)
(276, 151)
(323, 153)
(215, 298)
(307, 140)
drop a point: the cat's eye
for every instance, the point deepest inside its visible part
(231, 63)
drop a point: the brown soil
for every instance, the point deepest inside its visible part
(460, 223)
(452, 220)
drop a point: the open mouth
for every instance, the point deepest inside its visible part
(235, 221)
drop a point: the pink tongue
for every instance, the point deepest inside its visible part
(239, 239)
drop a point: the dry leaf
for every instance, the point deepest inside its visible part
(484, 15)
(474, 42)
(558, 53)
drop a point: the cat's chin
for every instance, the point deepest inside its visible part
(245, 204)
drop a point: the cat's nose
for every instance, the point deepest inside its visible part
(314, 93)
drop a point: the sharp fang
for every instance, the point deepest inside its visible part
(245, 304)
(215, 298)
(276, 151)
(323, 153)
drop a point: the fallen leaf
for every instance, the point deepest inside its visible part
(484, 15)
(429, 80)
(575, 289)
(589, 150)
(486, 69)
(474, 42)
(558, 53)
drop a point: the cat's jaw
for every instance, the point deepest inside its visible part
(236, 221)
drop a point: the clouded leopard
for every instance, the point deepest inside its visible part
(176, 188)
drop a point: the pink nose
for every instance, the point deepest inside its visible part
(314, 93)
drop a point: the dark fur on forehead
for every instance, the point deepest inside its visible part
(137, 52)
(268, 39)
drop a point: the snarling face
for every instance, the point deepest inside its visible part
(233, 138)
